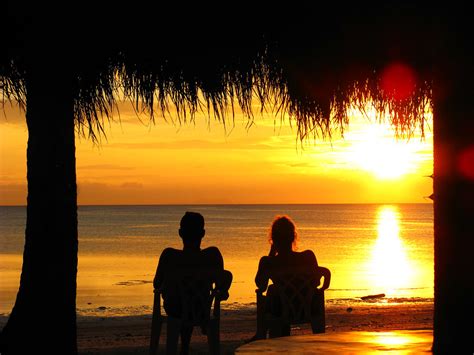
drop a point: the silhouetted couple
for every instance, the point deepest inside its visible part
(282, 256)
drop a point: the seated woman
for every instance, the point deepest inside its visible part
(283, 257)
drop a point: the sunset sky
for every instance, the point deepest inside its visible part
(201, 163)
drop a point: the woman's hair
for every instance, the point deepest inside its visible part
(283, 234)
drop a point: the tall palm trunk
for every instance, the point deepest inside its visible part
(44, 316)
(454, 205)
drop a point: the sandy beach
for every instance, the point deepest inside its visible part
(130, 335)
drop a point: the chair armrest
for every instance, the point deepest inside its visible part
(216, 309)
(327, 277)
(156, 322)
(157, 293)
(220, 295)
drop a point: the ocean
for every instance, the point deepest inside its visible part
(369, 248)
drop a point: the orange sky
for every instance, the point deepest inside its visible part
(198, 163)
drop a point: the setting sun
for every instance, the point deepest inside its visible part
(373, 148)
(384, 158)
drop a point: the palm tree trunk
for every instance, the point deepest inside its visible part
(44, 316)
(454, 207)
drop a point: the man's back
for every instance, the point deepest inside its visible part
(173, 259)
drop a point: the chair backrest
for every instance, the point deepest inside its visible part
(196, 289)
(296, 290)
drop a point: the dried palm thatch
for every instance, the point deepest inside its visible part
(311, 64)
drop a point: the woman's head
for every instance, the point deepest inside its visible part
(283, 233)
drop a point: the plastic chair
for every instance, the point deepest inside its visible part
(292, 299)
(200, 306)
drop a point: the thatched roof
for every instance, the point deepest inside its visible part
(309, 62)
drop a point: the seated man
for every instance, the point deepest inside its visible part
(190, 258)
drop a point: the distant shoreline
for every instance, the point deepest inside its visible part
(99, 312)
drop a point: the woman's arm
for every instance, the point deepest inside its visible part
(320, 271)
(261, 279)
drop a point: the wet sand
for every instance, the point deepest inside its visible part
(130, 335)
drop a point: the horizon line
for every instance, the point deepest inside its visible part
(245, 204)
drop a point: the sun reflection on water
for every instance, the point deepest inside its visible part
(389, 266)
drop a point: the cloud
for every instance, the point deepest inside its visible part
(103, 167)
(132, 185)
(240, 144)
(301, 165)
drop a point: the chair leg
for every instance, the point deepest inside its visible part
(156, 323)
(186, 333)
(261, 326)
(318, 319)
(279, 329)
(318, 324)
(275, 330)
(173, 330)
(213, 336)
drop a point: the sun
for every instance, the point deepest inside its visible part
(374, 149)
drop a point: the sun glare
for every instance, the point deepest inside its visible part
(375, 150)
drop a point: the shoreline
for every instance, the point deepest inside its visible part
(130, 334)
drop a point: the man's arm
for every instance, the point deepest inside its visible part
(163, 265)
(224, 280)
(215, 257)
(223, 283)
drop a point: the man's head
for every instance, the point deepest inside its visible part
(192, 228)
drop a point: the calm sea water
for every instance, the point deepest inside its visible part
(370, 249)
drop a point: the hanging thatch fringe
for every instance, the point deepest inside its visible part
(312, 72)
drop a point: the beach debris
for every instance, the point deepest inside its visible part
(101, 308)
(133, 283)
(349, 309)
(371, 297)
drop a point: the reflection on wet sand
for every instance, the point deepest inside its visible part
(395, 342)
